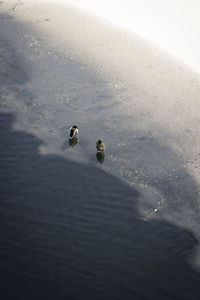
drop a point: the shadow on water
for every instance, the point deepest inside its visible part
(71, 231)
(73, 142)
(100, 157)
(69, 143)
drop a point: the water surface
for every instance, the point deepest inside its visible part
(71, 228)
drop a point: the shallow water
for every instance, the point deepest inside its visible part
(72, 228)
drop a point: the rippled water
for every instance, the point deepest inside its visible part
(69, 228)
(71, 231)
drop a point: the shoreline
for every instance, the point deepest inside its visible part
(143, 104)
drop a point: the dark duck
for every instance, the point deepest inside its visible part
(73, 131)
(100, 145)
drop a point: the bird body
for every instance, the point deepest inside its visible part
(100, 145)
(73, 131)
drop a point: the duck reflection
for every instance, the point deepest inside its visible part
(100, 156)
(73, 141)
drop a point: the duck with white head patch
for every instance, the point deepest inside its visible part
(73, 131)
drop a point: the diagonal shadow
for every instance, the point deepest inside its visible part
(72, 231)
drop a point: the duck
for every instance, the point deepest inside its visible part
(100, 145)
(73, 131)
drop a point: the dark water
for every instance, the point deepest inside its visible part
(72, 231)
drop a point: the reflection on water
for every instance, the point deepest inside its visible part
(73, 141)
(100, 157)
